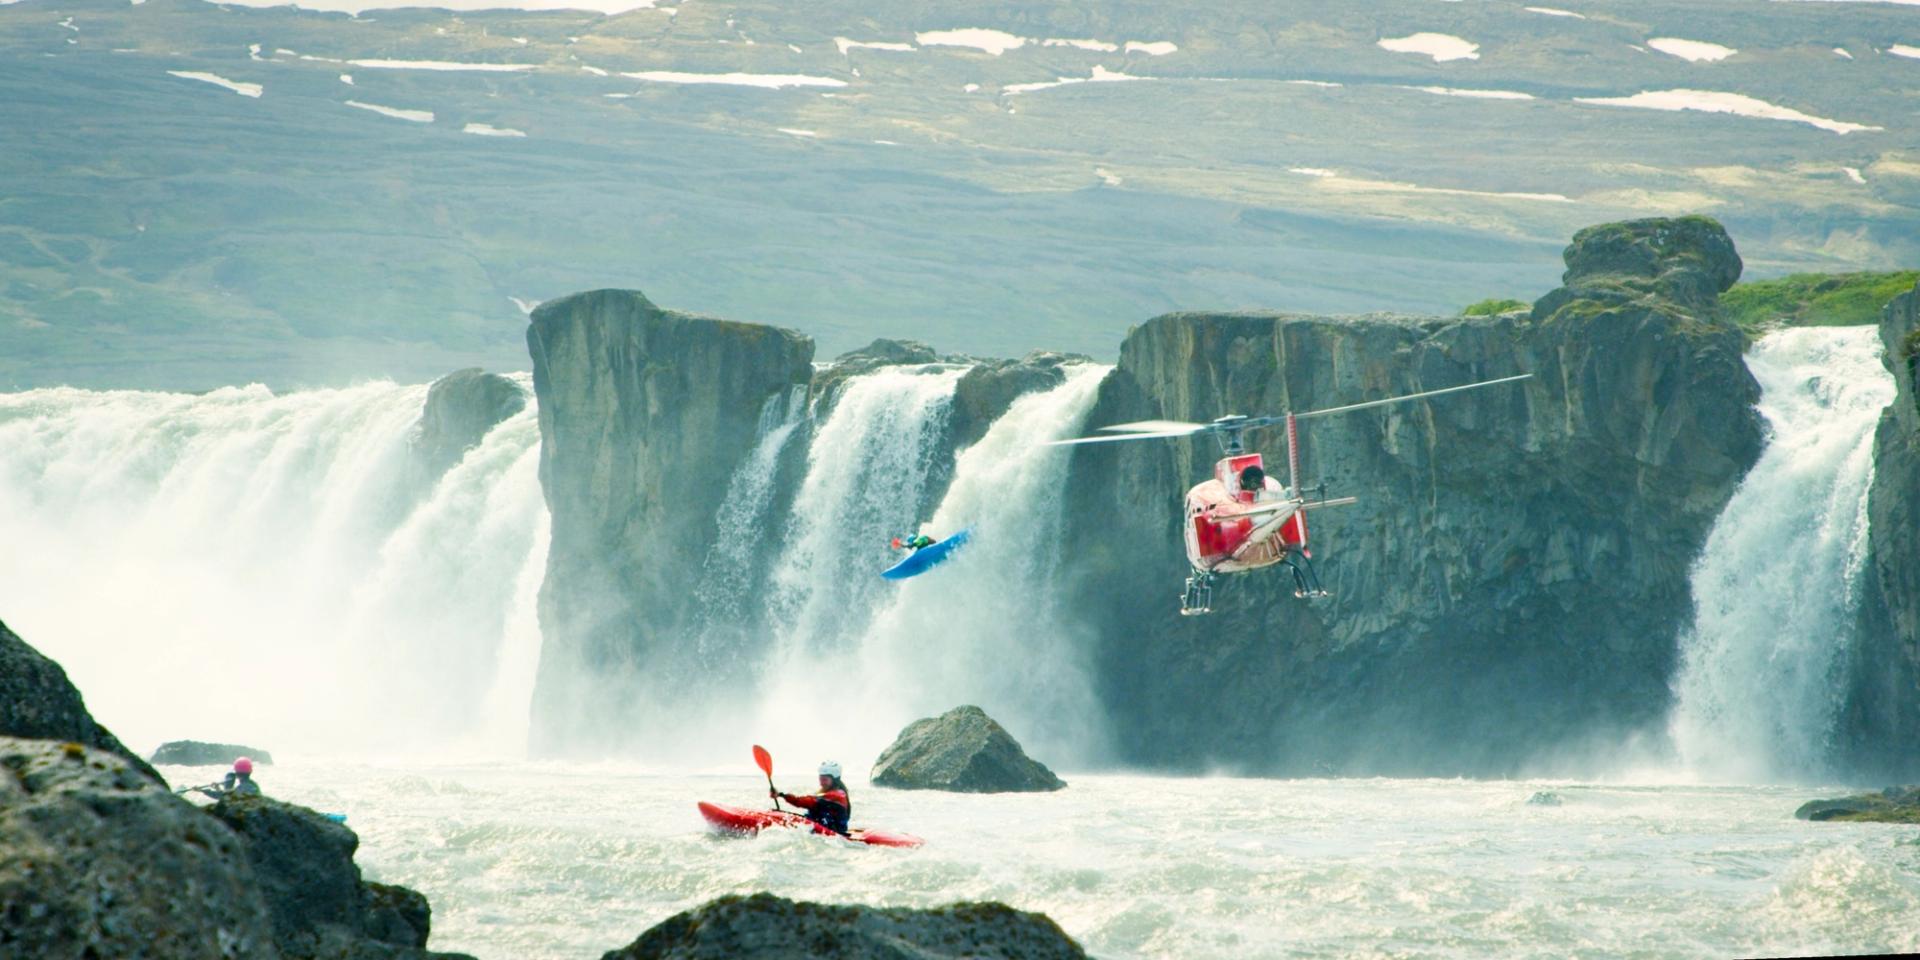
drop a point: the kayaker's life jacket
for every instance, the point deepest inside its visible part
(830, 809)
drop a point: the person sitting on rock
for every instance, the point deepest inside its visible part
(830, 807)
(239, 782)
(916, 543)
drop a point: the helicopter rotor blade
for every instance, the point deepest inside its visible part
(1411, 396)
(1165, 434)
(1156, 426)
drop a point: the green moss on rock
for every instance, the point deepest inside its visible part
(1494, 307)
(1815, 299)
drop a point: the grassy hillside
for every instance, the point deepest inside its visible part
(1816, 299)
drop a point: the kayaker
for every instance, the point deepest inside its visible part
(830, 807)
(239, 782)
(916, 543)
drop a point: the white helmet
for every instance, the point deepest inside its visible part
(830, 769)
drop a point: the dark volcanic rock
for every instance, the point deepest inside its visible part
(319, 907)
(1515, 575)
(1880, 722)
(1892, 805)
(461, 407)
(1688, 261)
(194, 753)
(766, 927)
(38, 702)
(962, 750)
(644, 415)
(985, 393)
(99, 860)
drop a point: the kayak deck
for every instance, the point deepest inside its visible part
(746, 823)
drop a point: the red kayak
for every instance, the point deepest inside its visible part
(746, 823)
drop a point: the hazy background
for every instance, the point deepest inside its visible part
(159, 230)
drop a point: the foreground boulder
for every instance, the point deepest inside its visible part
(97, 859)
(318, 905)
(461, 408)
(194, 753)
(1892, 805)
(38, 702)
(766, 927)
(964, 751)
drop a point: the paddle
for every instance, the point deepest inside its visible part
(765, 760)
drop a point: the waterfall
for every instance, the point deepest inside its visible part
(867, 472)
(983, 628)
(274, 569)
(1759, 686)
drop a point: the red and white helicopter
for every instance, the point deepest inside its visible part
(1242, 519)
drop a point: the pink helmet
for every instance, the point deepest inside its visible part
(243, 765)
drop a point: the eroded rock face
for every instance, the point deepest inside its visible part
(644, 415)
(1880, 723)
(1516, 574)
(963, 751)
(97, 859)
(196, 753)
(461, 407)
(38, 702)
(987, 390)
(766, 927)
(319, 907)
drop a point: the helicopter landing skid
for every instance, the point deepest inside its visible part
(1306, 583)
(1198, 598)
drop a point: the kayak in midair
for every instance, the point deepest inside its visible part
(925, 556)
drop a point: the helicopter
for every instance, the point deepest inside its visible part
(1242, 519)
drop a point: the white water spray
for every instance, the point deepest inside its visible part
(867, 472)
(270, 570)
(1759, 685)
(982, 629)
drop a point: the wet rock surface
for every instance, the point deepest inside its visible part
(1880, 721)
(961, 751)
(1892, 805)
(1533, 543)
(318, 904)
(461, 408)
(38, 702)
(766, 927)
(196, 753)
(99, 860)
(644, 415)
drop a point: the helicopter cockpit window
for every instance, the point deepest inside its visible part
(1253, 479)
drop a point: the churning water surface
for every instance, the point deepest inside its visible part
(546, 860)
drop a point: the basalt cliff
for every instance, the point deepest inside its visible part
(1509, 592)
(1515, 573)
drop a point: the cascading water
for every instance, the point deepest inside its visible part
(982, 629)
(867, 472)
(275, 569)
(1758, 688)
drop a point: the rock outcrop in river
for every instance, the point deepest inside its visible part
(1515, 575)
(38, 702)
(964, 751)
(644, 414)
(1880, 727)
(196, 753)
(461, 407)
(766, 927)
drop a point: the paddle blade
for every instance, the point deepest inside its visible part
(764, 759)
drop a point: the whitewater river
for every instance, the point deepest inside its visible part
(539, 860)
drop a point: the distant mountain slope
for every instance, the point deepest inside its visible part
(199, 194)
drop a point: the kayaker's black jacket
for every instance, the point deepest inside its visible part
(829, 809)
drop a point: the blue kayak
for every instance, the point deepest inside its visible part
(927, 557)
